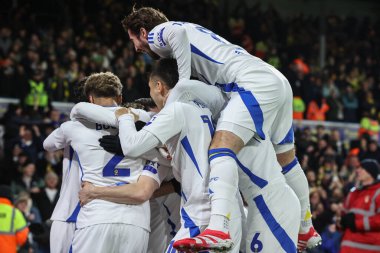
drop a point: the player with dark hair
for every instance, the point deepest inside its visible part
(260, 106)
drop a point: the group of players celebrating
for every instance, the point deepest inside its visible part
(126, 181)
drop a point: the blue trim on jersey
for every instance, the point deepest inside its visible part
(200, 53)
(121, 183)
(110, 169)
(289, 138)
(160, 38)
(170, 222)
(183, 196)
(210, 191)
(250, 102)
(189, 223)
(254, 110)
(219, 152)
(229, 87)
(71, 248)
(73, 217)
(290, 166)
(186, 145)
(150, 168)
(278, 232)
(255, 179)
(80, 166)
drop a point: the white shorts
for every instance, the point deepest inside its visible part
(273, 220)
(266, 112)
(165, 221)
(158, 237)
(61, 236)
(116, 237)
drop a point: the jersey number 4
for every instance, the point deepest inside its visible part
(110, 169)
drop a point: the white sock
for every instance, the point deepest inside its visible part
(297, 180)
(223, 188)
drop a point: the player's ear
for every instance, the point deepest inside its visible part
(91, 99)
(143, 33)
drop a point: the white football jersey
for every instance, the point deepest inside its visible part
(68, 200)
(104, 169)
(186, 130)
(212, 59)
(258, 167)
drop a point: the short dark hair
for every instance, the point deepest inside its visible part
(145, 17)
(167, 71)
(103, 84)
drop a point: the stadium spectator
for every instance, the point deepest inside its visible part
(360, 217)
(13, 227)
(47, 198)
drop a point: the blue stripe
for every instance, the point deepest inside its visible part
(170, 222)
(74, 215)
(170, 247)
(289, 138)
(278, 232)
(186, 145)
(71, 248)
(228, 87)
(254, 110)
(219, 152)
(183, 195)
(121, 183)
(290, 166)
(80, 166)
(200, 53)
(110, 169)
(160, 38)
(189, 223)
(255, 179)
(150, 168)
(151, 34)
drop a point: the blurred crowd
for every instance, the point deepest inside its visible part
(45, 49)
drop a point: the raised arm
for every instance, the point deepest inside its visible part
(174, 37)
(101, 115)
(93, 113)
(55, 140)
(162, 127)
(193, 89)
(132, 194)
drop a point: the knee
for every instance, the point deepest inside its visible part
(226, 139)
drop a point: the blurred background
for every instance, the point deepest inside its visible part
(328, 50)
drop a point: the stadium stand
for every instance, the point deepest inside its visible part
(46, 47)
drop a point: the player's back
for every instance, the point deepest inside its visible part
(189, 149)
(104, 169)
(191, 159)
(214, 60)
